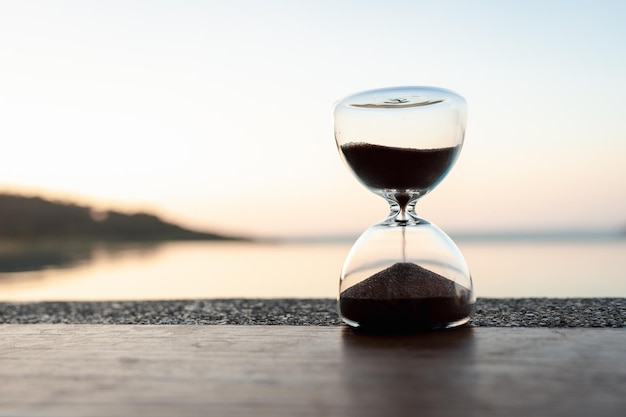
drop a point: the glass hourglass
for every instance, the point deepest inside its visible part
(403, 273)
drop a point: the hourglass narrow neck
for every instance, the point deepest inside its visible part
(402, 209)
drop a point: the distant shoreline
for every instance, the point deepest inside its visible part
(572, 235)
(495, 236)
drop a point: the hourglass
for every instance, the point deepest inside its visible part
(403, 273)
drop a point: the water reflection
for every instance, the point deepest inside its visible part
(33, 260)
(170, 270)
(59, 270)
(29, 256)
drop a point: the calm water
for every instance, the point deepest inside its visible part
(183, 270)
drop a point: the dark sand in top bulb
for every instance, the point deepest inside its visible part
(408, 296)
(386, 167)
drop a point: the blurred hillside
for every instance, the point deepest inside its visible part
(36, 218)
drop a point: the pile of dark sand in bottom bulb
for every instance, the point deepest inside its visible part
(406, 295)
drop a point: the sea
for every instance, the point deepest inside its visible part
(502, 267)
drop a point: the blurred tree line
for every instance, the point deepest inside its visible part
(34, 218)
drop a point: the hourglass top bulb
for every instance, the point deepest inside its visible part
(401, 139)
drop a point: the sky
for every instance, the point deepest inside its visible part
(218, 115)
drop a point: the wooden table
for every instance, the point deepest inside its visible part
(132, 370)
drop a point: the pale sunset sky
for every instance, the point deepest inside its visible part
(218, 114)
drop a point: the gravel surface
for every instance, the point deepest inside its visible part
(490, 312)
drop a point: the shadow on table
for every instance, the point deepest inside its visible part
(408, 373)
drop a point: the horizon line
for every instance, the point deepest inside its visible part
(492, 235)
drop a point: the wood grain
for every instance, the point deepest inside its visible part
(119, 370)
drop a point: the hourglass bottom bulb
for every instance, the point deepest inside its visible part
(406, 296)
